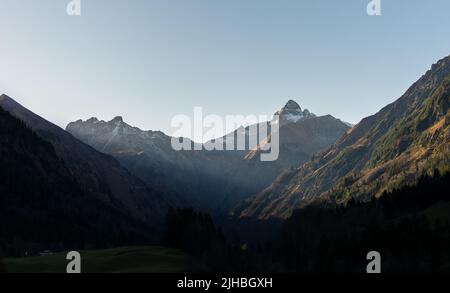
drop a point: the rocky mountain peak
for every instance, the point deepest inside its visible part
(292, 112)
(292, 105)
(91, 120)
(117, 120)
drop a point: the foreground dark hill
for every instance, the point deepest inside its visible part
(95, 172)
(211, 180)
(405, 139)
(43, 206)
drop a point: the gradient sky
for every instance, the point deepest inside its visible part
(147, 60)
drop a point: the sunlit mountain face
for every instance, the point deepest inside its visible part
(394, 147)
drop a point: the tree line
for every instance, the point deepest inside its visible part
(409, 226)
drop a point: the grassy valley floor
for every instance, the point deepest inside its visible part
(136, 259)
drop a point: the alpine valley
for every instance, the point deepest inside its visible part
(336, 191)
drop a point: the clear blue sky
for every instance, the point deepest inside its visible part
(148, 60)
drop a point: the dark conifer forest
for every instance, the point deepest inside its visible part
(409, 226)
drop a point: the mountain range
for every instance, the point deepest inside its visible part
(212, 180)
(391, 148)
(106, 183)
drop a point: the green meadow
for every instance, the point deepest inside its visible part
(138, 259)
